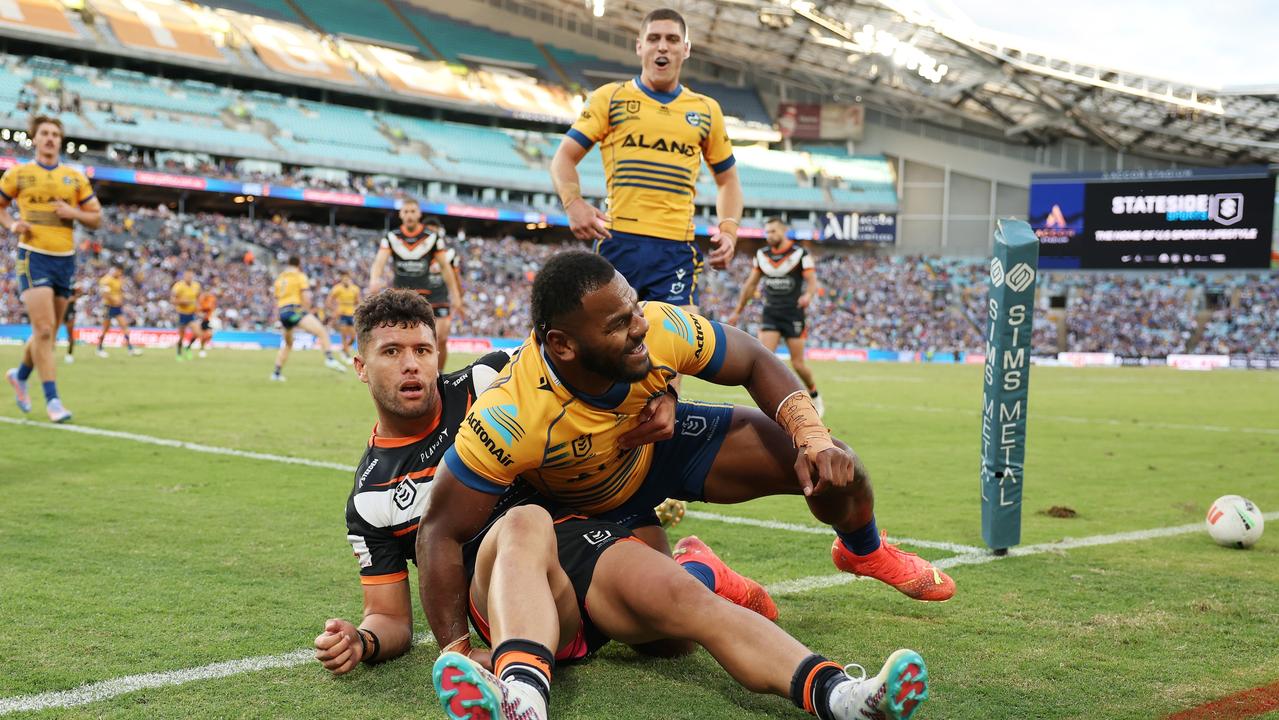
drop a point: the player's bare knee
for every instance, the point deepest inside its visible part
(527, 527)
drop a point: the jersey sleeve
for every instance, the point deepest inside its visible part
(9, 183)
(716, 148)
(385, 242)
(83, 190)
(592, 125)
(377, 551)
(755, 262)
(492, 446)
(806, 262)
(686, 342)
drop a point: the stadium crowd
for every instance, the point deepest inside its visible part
(899, 303)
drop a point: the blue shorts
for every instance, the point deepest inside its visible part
(346, 320)
(668, 271)
(185, 319)
(290, 316)
(35, 269)
(114, 311)
(680, 465)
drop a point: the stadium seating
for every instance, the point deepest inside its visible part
(372, 20)
(274, 9)
(455, 38)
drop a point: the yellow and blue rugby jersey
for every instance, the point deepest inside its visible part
(530, 424)
(37, 189)
(346, 297)
(289, 286)
(185, 295)
(652, 145)
(112, 290)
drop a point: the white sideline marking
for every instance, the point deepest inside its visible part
(179, 444)
(1082, 420)
(822, 530)
(815, 582)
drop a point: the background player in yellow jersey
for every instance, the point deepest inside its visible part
(51, 199)
(111, 288)
(653, 135)
(185, 295)
(553, 417)
(343, 297)
(293, 298)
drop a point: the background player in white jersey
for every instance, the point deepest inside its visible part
(790, 284)
(411, 249)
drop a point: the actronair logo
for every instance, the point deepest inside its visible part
(1055, 219)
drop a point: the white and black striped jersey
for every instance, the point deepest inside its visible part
(393, 479)
(783, 271)
(411, 256)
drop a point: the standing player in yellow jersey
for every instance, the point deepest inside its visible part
(51, 199)
(184, 295)
(111, 288)
(343, 298)
(293, 298)
(554, 414)
(653, 135)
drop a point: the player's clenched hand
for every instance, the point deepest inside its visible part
(656, 423)
(65, 211)
(725, 245)
(587, 221)
(829, 467)
(21, 227)
(338, 648)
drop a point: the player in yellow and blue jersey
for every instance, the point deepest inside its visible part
(293, 299)
(51, 199)
(343, 297)
(552, 418)
(111, 290)
(653, 135)
(184, 295)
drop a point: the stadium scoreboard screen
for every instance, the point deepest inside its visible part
(1219, 218)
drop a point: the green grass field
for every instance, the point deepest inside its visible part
(123, 558)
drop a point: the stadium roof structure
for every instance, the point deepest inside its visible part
(912, 60)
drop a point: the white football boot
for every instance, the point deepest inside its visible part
(894, 694)
(469, 692)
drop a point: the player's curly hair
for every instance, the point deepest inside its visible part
(402, 308)
(562, 282)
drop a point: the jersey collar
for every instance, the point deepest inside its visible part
(48, 167)
(606, 400)
(386, 442)
(661, 97)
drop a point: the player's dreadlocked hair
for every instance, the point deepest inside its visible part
(563, 281)
(402, 308)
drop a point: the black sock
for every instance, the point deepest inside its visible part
(812, 683)
(526, 661)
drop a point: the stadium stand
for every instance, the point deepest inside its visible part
(371, 20)
(459, 41)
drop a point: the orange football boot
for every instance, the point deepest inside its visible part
(729, 584)
(912, 575)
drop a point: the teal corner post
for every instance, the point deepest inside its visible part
(1009, 324)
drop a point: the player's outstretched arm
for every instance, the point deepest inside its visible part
(585, 220)
(748, 292)
(453, 516)
(379, 267)
(729, 203)
(385, 633)
(778, 392)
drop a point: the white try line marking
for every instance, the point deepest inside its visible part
(802, 585)
(108, 689)
(823, 530)
(1111, 422)
(178, 444)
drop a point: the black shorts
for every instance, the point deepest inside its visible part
(204, 324)
(581, 542)
(789, 322)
